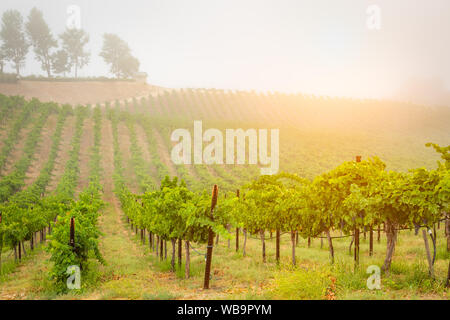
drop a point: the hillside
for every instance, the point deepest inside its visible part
(48, 152)
(87, 92)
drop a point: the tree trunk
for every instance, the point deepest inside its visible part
(15, 253)
(180, 252)
(330, 245)
(217, 240)
(296, 238)
(277, 245)
(188, 260)
(371, 241)
(427, 249)
(23, 248)
(379, 234)
(48, 66)
(263, 245)
(172, 262)
(245, 242)
(391, 236)
(309, 242)
(161, 249)
(293, 247)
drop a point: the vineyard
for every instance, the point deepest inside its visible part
(361, 183)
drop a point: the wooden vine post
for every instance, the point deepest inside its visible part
(427, 249)
(210, 239)
(72, 233)
(180, 252)
(356, 231)
(371, 241)
(237, 229)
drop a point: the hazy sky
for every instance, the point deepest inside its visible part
(315, 46)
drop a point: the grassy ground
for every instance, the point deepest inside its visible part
(134, 272)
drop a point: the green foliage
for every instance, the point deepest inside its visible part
(14, 133)
(85, 212)
(14, 181)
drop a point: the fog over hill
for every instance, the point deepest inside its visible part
(316, 47)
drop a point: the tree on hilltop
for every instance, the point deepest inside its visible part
(74, 41)
(15, 46)
(117, 54)
(41, 39)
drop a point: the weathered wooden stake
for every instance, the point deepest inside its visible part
(209, 248)
(427, 249)
(72, 233)
(180, 252)
(356, 257)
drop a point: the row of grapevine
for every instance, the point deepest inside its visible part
(31, 195)
(75, 231)
(8, 106)
(156, 162)
(352, 198)
(14, 133)
(14, 181)
(141, 167)
(24, 215)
